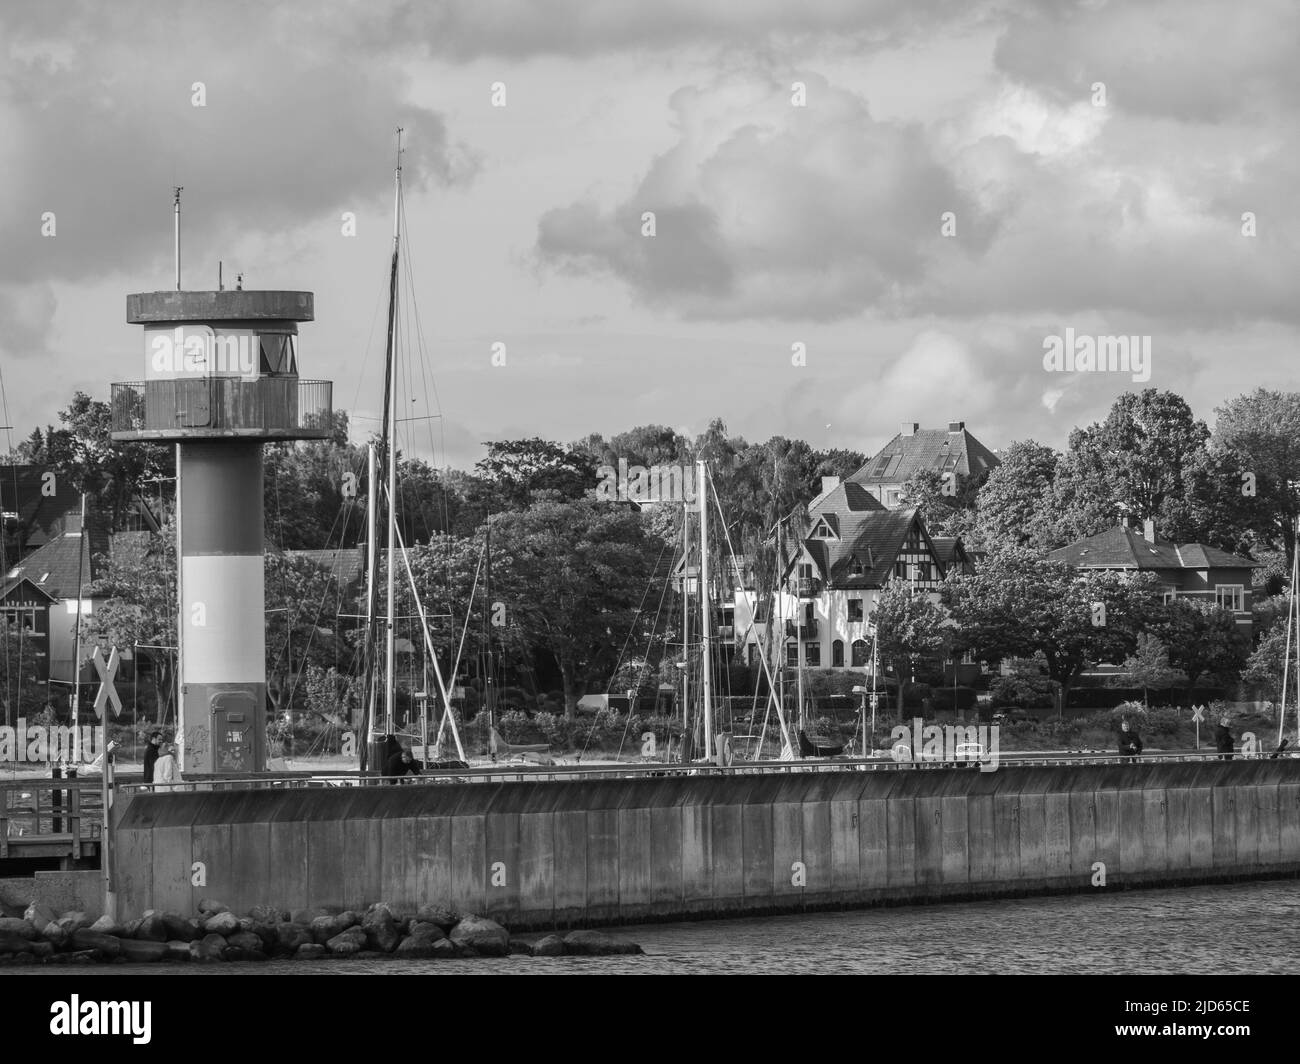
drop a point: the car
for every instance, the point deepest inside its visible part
(1014, 716)
(968, 753)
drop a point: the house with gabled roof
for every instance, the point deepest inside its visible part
(854, 546)
(951, 452)
(1190, 570)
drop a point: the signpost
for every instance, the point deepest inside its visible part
(1198, 715)
(107, 691)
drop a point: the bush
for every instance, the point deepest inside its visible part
(1026, 686)
(515, 726)
(954, 698)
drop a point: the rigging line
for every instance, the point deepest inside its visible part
(619, 662)
(645, 661)
(722, 520)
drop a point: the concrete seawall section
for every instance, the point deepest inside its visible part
(574, 852)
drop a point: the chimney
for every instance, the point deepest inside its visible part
(956, 426)
(830, 484)
(1149, 530)
(908, 428)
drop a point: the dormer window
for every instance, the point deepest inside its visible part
(823, 530)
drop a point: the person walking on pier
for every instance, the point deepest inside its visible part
(1130, 743)
(1223, 738)
(399, 765)
(164, 771)
(151, 752)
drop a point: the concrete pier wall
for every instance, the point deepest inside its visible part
(538, 854)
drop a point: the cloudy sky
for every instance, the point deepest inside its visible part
(919, 192)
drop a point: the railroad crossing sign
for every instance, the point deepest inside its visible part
(107, 671)
(1198, 715)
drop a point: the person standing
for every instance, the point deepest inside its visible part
(165, 772)
(151, 752)
(399, 765)
(1130, 743)
(1223, 739)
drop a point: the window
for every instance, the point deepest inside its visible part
(1168, 594)
(809, 614)
(805, 570)
(900, 569)
(792, 655)
(812, 655)
(860, 652)
(856, 568)
(923, 571)
(1229, 597)
(855, 609)
(837, 654)
(892, 497)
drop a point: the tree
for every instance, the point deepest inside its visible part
(21, 689)
(1019, 604)
(1017, 505)
(573, 577)
(909, 627)
(1148, 666)
(1135, 464)
(138, 586)
(518, 468)
(300, 594)
(1261, 433)
(1202, 639)
(83, 453)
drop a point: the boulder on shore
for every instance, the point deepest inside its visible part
(597, 944)
(209, 948)
(486, 937)
(381, 929)
(38, 914)
(12, 942)
(179, 928)
(153, 928)
(226, 923)
(177, 950)
(353, 940)
(310, 951)
(14, 926)
(144, 949)
(324, 928)
(104, 945)
(210, 907)
(290, 938)
(106, 925)
(550, 946)
(437, 914)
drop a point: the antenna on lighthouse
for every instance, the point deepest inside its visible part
(177, 201)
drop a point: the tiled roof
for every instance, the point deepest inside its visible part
(873, 537)
(54, 567)
(847, 497)
(1126, 548)
(935, 449)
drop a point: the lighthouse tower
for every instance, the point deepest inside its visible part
(221, 380)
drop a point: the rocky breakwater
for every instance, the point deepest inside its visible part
(216, 935)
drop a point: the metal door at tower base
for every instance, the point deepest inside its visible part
(194, 403)
(233, 719)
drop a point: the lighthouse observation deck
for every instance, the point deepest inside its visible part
(221, 365)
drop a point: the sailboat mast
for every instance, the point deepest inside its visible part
(686, 631)
(371, 684)
(704, 610)
(489, 693)
(390, 413)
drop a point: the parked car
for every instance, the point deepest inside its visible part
(1014, 716)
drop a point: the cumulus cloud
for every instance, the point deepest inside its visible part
(765, 209)
(98, 108)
